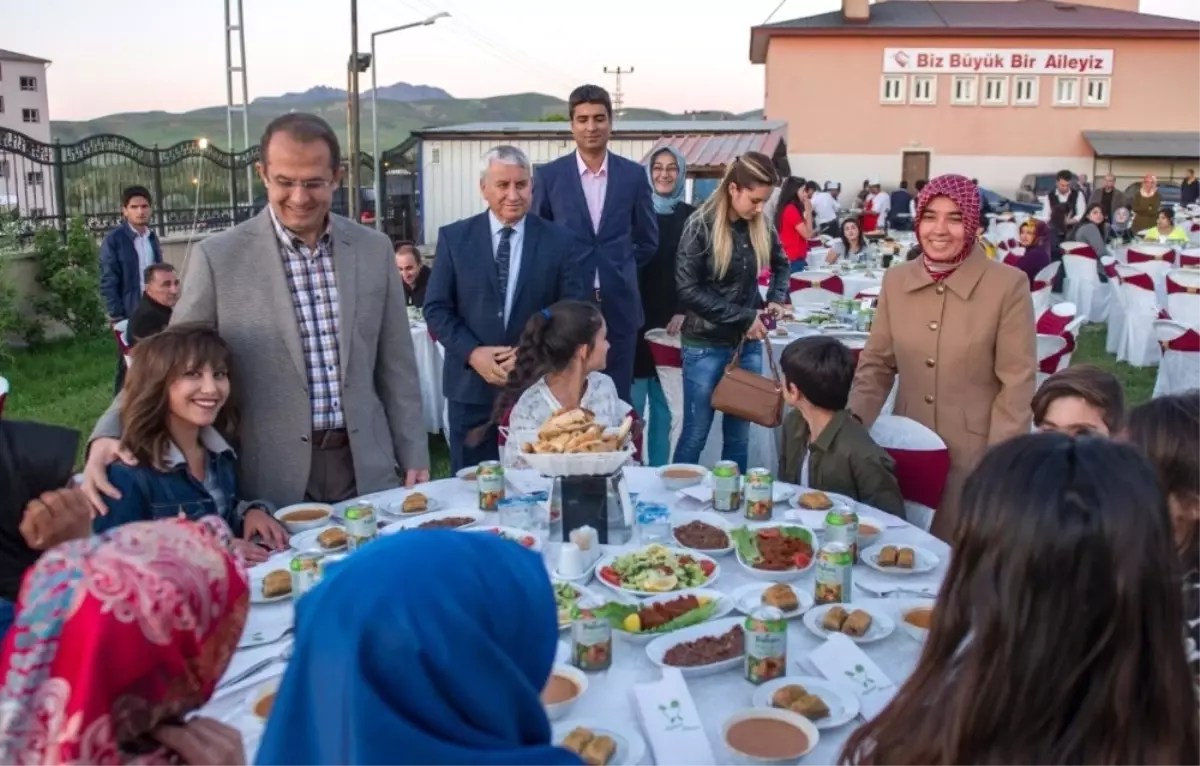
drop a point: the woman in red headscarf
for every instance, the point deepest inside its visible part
(117, 638)
(957, 330)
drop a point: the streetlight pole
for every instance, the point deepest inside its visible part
(380, 207)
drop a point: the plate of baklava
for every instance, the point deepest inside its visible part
(825, 704)
(270, 584)
(860, 624)
(601, 743)
(900, 559)
(411, 504)
(331, 539)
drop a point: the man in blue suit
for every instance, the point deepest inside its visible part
(491, 272)
(605, 199)
(124, 256)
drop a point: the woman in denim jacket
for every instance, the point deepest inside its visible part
(177, 404)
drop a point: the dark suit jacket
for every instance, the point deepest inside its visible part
(149, 318)
(462, 300)
(628, 235)
(120, 273)
(415, 295)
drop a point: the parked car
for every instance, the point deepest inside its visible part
(1034, 186)
(998, 203)
(1172, 193)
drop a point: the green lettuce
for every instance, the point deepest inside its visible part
(616, 613)
(747, 544)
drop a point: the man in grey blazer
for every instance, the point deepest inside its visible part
(313, 309)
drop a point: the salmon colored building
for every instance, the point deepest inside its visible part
(991, 89)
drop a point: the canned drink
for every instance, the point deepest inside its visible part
(306, 572)
(841, 526)
(766, 645)
(760, 494)
(360, 526)
(489, 478)
(726, 486)
(591, 637)
(835, 567)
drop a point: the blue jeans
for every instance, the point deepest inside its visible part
(8, 614)
(798, 265)
(658, 430)
(703, 368)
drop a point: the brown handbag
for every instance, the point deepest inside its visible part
(748, 395)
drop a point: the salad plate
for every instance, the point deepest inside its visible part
(657, 569)
(777, 551)
(566, 597)
(519, 536)
(666, 613)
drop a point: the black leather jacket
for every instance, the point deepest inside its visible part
(720, 310)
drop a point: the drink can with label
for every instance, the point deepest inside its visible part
(766, 645)
(591, 637)
(360, 526)
(835, 567)
(760, 494)
(489, 478)
(726, 486)
(306, 572)
(841, 526)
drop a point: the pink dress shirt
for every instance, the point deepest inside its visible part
(595, 187)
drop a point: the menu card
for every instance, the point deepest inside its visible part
(840, 660)
(671, 722)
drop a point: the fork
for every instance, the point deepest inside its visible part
(256, 668)
(899, 589)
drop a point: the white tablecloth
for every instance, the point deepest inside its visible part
(429, 370)
(609, 696)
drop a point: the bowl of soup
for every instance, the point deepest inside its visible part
(263, 699)
(917, 620)
(769, 735)
(302, 517)
(563, 689)
(678, 476)
(869, 530)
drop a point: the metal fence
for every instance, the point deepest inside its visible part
(196, 187)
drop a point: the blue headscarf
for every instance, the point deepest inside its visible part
(666, 205)
(427, 647)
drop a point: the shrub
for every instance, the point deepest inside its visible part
(70, 278)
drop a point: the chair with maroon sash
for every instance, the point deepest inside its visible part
(1042, 285)
(1011, 257)
(1183, 296)
(1060, 321)
(1082, 285)
(1116, 306)
(922, 464)
(1050, 349)
(119, 331)
(1179, 369)
(1189, 258)
(815, 288)
(1155, 260)
(3, 394)
(1139, 346)
(869, 293)
(667, 352)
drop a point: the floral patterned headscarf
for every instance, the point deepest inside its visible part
(115, 635)
(965, 195)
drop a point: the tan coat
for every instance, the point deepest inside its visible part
(966, 355)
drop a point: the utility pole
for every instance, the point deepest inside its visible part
(352, 139)
(618, 95)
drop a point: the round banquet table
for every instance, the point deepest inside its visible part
(429, 371)
(609, 696)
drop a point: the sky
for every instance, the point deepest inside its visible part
(141, 55)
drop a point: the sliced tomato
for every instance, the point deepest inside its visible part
(608, 574)
(803, 560)
(686, 560)
(707, 567)
(527, 542)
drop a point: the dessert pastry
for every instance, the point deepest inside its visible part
(277, 583)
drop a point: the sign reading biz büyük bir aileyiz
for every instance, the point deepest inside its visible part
(1062, 61)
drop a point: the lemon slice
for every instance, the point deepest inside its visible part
(632, 624)
(660, 583)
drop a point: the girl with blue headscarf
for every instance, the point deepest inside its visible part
(427, 647)
(667, 173)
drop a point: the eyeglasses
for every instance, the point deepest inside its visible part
(312, 184)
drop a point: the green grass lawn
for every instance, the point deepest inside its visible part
(69, 383)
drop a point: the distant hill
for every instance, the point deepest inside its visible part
(398, 116)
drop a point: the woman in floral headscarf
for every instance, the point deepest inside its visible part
(1145, 204)
(117, 638)
(955, 332)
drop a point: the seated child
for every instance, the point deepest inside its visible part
(824, 446)
(1083, 400)
(175, 411)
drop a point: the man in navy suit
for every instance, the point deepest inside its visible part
(605, 199)
(125, 254)
(491, 272)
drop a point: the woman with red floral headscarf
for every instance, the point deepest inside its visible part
(117, 638)
(957, 330)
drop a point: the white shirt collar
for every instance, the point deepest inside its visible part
(209, 437)
(497, 225)
(584, 169)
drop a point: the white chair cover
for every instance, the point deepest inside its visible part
(1141, 310)
(1183, 296)
(896, 432)
(813, 296)
(667, 352)
(1082, 285)
(1116, 306)
(1163, 255)
(1042, 285)
(1179, 370)
(121, 336)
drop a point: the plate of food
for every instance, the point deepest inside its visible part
(601, 743)
(331, 539)
(790, 600)
(704, 532)
(916, 620)
(411, 504)
(702, 650)
(572, 443)
(660, 615)
(900, 559)
(518, 536)
(776, 551)
(869, 530)
(270, 584)
(676, 476)
(816, 500)
(825, 704)
(566, 598)
(449, 519)
(862, 625)
(657, 569)
(467, 474)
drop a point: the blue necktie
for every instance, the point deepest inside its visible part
(503, 253)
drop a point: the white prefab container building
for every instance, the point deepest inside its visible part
(447, 158)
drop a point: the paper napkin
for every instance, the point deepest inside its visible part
(267, 624)
(840, 660)
(816, 519)
(671, 722)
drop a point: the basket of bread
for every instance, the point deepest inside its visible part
(572, 443)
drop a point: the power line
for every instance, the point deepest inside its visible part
(618, 94)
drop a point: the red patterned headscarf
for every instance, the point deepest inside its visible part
(115, 635)
(964, 194)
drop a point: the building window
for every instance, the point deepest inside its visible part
(995, 91)
(1066, 91)
(1095, 92)
(924, 89)
(891, 89)
(962, 89)
(29, 83)
(1025, 91)
(435, 156)
(33, 178)
(30, 115)
(4, 169)
(1, 104)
